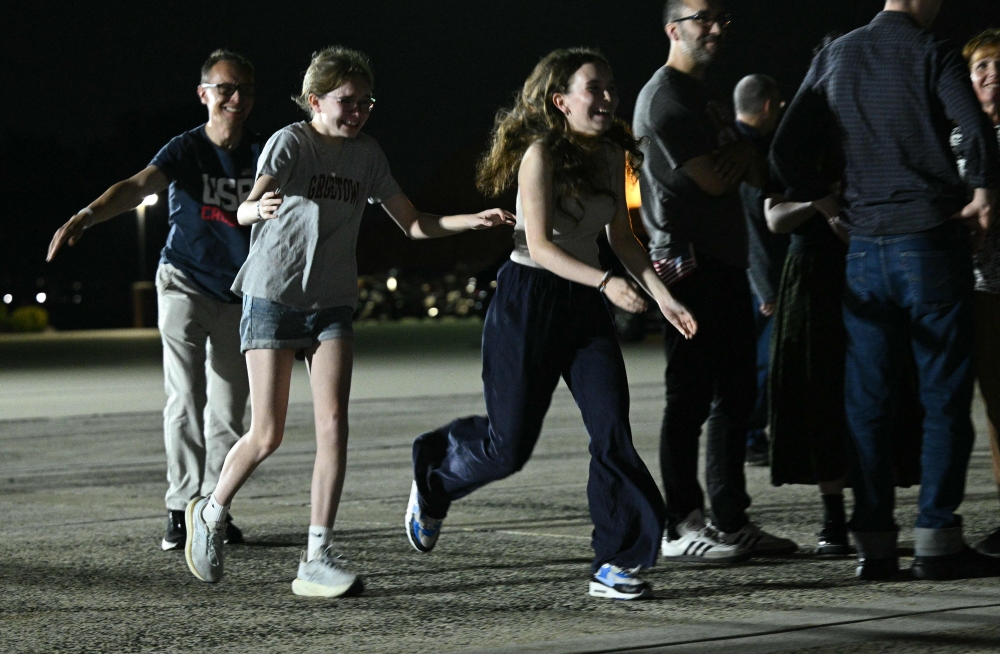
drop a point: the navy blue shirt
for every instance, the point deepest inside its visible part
(886, 95)
(207, 185)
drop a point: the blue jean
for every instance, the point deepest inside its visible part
(268, 325)
(909, 291)
(540, 327)
(758, 419)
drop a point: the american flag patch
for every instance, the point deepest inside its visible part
(677, 268)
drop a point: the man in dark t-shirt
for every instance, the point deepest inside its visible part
(209, 171)
(695, 163)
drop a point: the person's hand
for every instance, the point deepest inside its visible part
(70, 232)
(978, 215)
(838, 227)
(491, 218)
(678, 315)
(732, 162)
(766, 309)
(829, 206)
(623, 294)
(267, 206)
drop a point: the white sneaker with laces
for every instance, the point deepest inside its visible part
(758, 541)
(699, 542)
(423, 531)
(325, 576)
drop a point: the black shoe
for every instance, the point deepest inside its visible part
(233, 535)
(176, 534)
(871, 569)
(833, 542)
(990, 545)
(967, 564)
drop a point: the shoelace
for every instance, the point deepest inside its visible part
(333, 556)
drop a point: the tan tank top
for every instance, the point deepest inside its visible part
(576, 225)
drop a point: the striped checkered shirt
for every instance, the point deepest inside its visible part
(886, 95)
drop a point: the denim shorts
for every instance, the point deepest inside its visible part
(267, 325)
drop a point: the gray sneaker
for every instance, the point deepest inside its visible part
(325, 576)
(203, 548)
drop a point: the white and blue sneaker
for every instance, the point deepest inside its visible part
(618, 583)
(422, 530)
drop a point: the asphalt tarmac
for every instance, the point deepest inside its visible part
(81, 517)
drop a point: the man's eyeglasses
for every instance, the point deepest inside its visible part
(363, 105)
(705, 19)
(228, 90)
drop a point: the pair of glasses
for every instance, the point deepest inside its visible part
(705, 19)
(363, 105)
(228, 90)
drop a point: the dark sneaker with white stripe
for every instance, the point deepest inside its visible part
(759, 542)
(698, 542)
(613, 582)
(176, 534)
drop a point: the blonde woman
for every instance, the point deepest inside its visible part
(299, 289)
(567, 151)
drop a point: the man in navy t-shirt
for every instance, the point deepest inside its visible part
(210, 171)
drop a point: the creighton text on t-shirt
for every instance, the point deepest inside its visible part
(331, 187)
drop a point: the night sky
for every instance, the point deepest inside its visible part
(94, 89)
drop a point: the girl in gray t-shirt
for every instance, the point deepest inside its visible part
(299, 288)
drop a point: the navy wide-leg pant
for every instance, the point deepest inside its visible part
(540, 327)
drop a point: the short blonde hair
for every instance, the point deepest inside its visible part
(330, 68)
(988, 40)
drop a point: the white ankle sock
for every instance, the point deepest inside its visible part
(214, 513)
(319, 537)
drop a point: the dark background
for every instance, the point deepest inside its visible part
(93, 90)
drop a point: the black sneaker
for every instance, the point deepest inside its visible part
(176, 532)
(872, 569)
(233, 535)
(833, 542)
(990, 545)
(967, 564)
(758, 450)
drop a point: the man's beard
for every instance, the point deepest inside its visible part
(695, 48)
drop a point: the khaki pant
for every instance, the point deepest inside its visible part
(205, 378)
(988, 367)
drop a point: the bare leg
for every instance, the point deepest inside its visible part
(270, 373)
(330, 366)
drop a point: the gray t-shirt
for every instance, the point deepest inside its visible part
(306, 258)
(575, 225)
(680, 123)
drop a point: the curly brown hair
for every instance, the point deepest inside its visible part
(578, 161)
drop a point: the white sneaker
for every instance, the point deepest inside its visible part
(758, 541)
(701, 543)
(423, 531)
(325, 576)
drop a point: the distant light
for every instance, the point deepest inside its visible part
(391, 283)
(432, 312)
(149, 200)
(7, 299)
(77, 299)
(41, 298)
(632, 196)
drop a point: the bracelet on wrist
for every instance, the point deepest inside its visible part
(604, 282)
(90, 216)
(259, 217)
